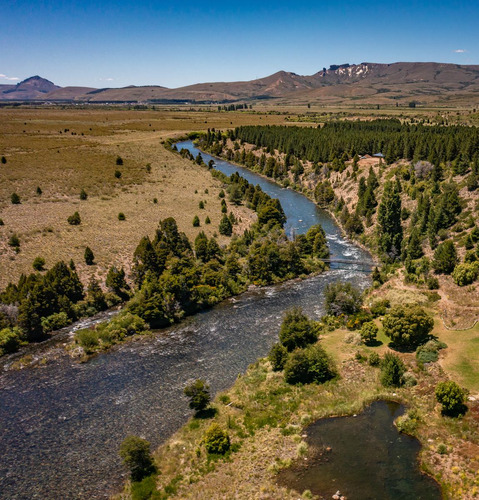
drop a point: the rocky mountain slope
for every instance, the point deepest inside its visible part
(366, 83)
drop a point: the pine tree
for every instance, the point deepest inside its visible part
(389, 221)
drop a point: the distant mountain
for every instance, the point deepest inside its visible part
(34, 87)
(344, 83)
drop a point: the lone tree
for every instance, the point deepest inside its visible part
(216, 440)
(297, 330)
(15, 199)
(408, 326)
(199, 394)
(89, 257)
(452, 399)
(445, 258)
(369, 332)
(136, 455)
(389, 222)
(392, 371)
(225, 227)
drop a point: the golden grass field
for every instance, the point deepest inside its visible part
(65, 151)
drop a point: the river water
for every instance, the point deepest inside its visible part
(61, 424)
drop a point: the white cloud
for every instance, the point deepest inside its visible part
(106, 79)
(460, 51)
(9, 78)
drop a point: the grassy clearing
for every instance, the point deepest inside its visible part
(65, 151)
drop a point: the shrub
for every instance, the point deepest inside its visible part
(88, 339)
(89, 257)
(392, 371)
(119, 160)
(38, 264)
(136, 455)
(432, 283)
(207, 220)
(342, 298)
(278, 356)
(83, 195)
(452, 398)
(374, 359)
(14, 241)
(380, 308)
(117, 174)
(4, 160)
(407, 326)
(201, 205)
(216, 440)
(199, 394)
(196, 221)
(121, 216)
(1, 222)
(465, 274)
(39, 191)
(309, 365)
(297, 330)
(369, 332)
(428, 352)
(55, 322)
(15, 199)
(10, 340)
(75, 219)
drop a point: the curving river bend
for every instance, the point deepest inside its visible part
(61, 424)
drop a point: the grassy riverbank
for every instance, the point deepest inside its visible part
(265, 418)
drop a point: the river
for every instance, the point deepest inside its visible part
(61, 424)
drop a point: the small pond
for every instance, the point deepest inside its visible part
(363, 457)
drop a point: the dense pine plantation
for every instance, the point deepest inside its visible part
(414, 205)
(172, 277)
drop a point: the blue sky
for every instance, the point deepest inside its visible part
(114, 44)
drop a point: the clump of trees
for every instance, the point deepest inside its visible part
(297, 330)
(342, 298)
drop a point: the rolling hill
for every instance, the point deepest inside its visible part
(425, 83)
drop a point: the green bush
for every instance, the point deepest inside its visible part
(121, 216)
(369, 332)
(465, 274)
(445, 257)
(278, 356)
(145, 489)
(136, 454)
(297, 330)
(119, 160)
(117, 174)
(199, 394)
(10, 340)
(452, 399)
(14, 241)
(39, 264)
(55, 322)
(74, 220)
(15, 199)
(225, 226)
(207, 220)
(374, 359)
(309, 365)
(407, 326)
(83, 195)
(196, 221)
(392, 371)
(216, 440)
(88, 339)
(380, 308)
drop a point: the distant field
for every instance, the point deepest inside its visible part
(65, 151)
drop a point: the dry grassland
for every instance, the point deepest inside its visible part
(65, 151)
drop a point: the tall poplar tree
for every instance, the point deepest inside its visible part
(389, 220)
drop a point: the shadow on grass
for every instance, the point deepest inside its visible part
(374, 343)
(206, 413)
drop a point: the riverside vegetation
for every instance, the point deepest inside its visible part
(172, 277)
(414, 207)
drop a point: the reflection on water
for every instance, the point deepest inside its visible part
(364, 457)
(61, 424)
